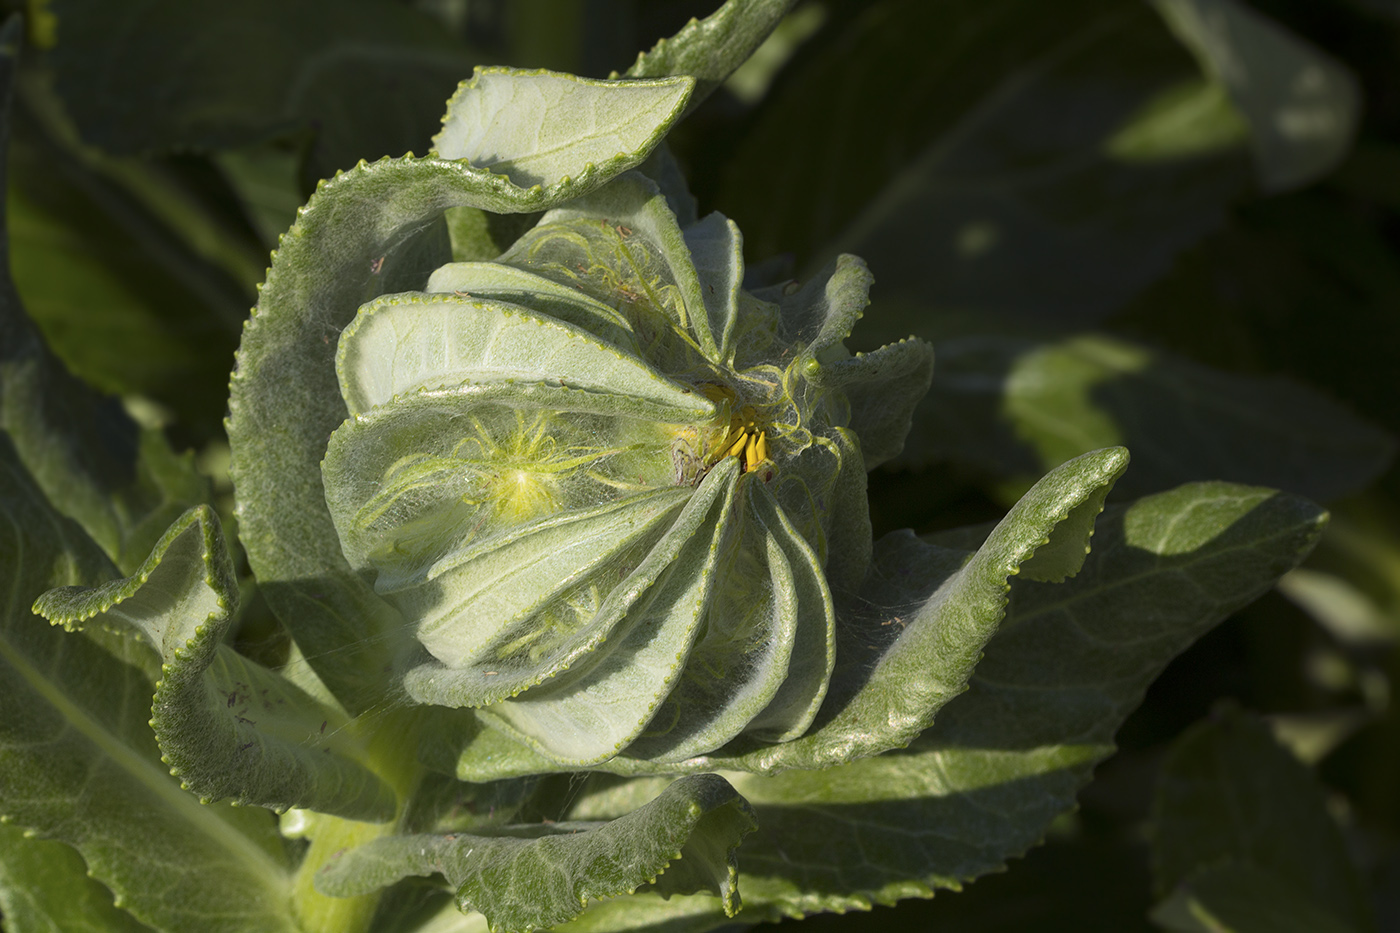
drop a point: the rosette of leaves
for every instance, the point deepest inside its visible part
(606, 487)
(577, 498)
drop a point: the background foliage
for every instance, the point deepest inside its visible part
(1169, 226)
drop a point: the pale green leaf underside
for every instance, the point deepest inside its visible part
(405, 343)
(800, 591)
(761, 666)
(602, 703)
(717, 250)
(906, 651)
(507, 283)
(545, 128)
(79, 763)
(471, 603)
(547, 874)
(633, 206)
(366, 232)
(227, 726)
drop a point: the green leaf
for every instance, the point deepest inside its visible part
(602, 704)
(170, 75)
(759, 669)
(1221, 791)
(907, 642)
(711, 49)
(1010, 407)
(80, 765)
(227, 726)
(401, 344)
(557, 126)
(547, 874)
(1303, 106)
(1236, 898)
(883, 695)
(717, 250)
(998, 192)
(368, 232)
(128, 299)
(633, 249)
(45, 888)
(1068, 664)
(507, 283)
(883, 387)
(120, 483)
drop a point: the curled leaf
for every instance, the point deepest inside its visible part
(538, 876)
(226, 726)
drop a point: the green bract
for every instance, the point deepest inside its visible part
(603, 484)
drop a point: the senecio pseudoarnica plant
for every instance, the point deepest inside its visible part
(570, 535)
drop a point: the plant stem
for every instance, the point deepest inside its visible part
(392, 752)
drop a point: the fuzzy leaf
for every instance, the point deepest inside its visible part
(717, 249)
(539, 128)
(603, 703)
(761, 670)
(710, 49)
(45, 888)
(1068, 664)
(883, 698)
(507, 283)
(909, 638)
(406, 343)
(1219, 797)
(545, 875)
(227, 726)
(883, 386)
(372, 231)
(80, 765)
(629, 233)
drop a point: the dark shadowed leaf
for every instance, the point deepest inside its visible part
(1011, 407)
(155, 75)
(122, 484)
(1242, 831)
